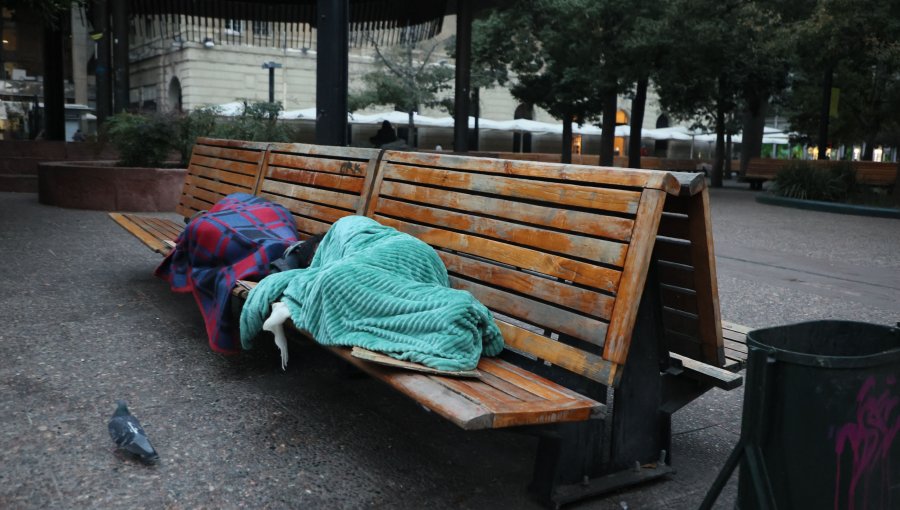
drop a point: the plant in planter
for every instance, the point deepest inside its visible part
(142, 140)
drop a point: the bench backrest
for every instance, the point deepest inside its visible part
(219, 168)
(555, 250)
(686, 268)
(318, 184)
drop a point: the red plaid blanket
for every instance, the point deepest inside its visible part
(235, 240)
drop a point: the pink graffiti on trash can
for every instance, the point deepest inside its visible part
(870, 439)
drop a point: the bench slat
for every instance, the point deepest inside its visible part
(595, 250)
(580, 173)
(239, 167)
(575, 360)
(322, 196)
(476, 404)
(610, 227)
(323, 213)
(344, 183)
(549, 264)
(604, 199)
(137, 228)
(252, 154)
(547, 316)
(338, 167)
(546, 289)
(634, 275)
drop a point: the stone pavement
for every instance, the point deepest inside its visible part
(85, 323)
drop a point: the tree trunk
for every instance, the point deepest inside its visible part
(410, 130)
(868, 149)
(754, 123)
(566, 155)
(825, 111)
(608, 137)
(718, 167)
(637, 120)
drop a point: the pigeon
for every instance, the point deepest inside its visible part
(128, 434)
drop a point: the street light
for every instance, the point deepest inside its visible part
(271, 66)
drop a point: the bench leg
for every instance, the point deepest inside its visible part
(579, 460)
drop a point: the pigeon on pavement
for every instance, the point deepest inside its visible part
(128, 434)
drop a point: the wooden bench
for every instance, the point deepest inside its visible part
(571, 260)
(871, 173)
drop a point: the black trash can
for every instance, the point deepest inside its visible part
(821, 424)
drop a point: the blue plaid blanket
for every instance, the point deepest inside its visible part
(235, 240)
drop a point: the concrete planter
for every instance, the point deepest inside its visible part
(100, 185)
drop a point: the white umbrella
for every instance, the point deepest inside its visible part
(679, 133)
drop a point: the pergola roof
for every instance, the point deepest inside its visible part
(381, 21)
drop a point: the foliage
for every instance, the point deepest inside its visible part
(142, 140)
(406, 79)
(146, 140)
(190, 126)
(807, 181)
(256, 122)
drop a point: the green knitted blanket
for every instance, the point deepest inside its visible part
(375, 287)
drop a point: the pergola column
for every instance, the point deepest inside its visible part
(463, 65)
(54, 89)
(332, 45)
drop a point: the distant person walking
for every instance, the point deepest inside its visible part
(78, 136)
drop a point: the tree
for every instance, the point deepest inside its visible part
(561, 54)
(405, 78)
(859, 57)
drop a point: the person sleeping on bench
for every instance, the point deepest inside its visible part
(368, 285)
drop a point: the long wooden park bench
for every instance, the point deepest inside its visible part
(602, 281)
(872, 173)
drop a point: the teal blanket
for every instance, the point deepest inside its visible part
(375, 287)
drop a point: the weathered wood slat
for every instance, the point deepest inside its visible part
(245, 181)
(579, 173)
(680, 321)
(672, 250)
(575, 360)
(717, 377)
(679, 299)
(595, 250)
(547, 289)
(349, 184)
(171, 228)
(674, 225)
(341, 166)
(145, 237)
(546, 263)
(240, 167)
(705, 279)
(611, 227)
(308, 209)
(676, 275)
(321, 196)
(547, 316)
(634, 276)
(234, 154)
(604, 199)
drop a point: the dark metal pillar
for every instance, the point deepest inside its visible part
(120, 54)
(331, 71)
(463, 71)
(54, 90)
(104, 58)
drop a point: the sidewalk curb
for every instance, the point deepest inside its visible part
(832, 207)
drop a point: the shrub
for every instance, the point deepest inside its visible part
(800, 179)
(257, 122)
(190, 126)
(142, 140)
(147, 139)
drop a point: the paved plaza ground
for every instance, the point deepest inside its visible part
(85, 322)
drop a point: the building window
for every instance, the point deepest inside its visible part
(261, 27)
(232, 26)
